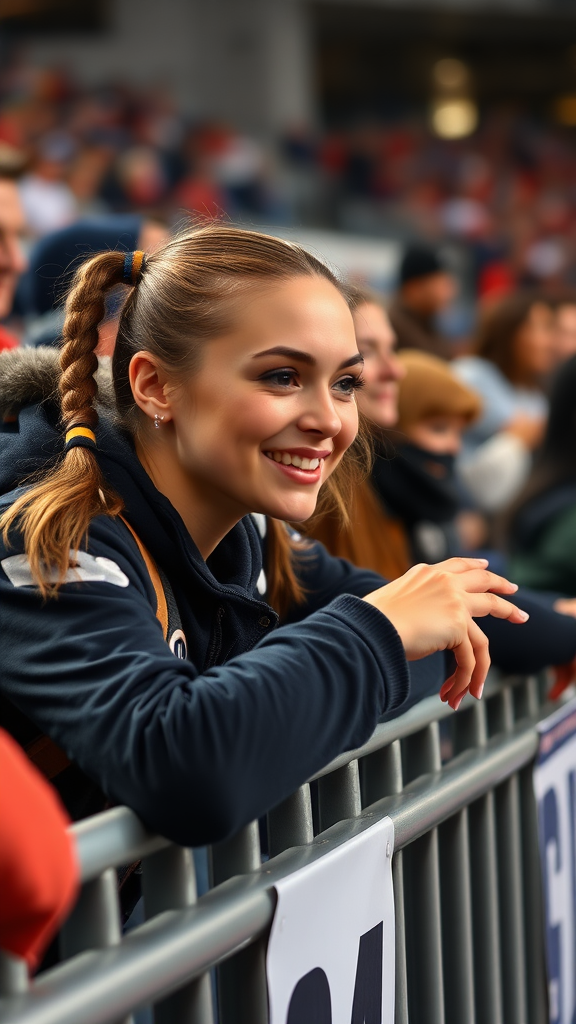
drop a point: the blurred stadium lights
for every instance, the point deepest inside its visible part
(454, 118)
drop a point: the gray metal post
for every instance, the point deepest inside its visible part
(339, 795)
(169, 883)
(510, 880)
(471, 730)
(95, 920)
(422, 895)
(290, 824)
(457, 920)
(242, 991)
(536, 988)
(14, 979)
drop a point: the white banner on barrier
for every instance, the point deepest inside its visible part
(555, 788)
(331, 952)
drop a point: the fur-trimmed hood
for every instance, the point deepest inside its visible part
(30, 376)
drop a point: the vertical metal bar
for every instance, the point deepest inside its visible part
(236, 856)
(422, 895)
(95, 920)
(290, 824)
(14, 979)
(401, 983)
(457, 920)
(471, 730)
(381, 773)
(510, 880)
(339, 795)
(536, 989)
(169, 883)
(242, 992)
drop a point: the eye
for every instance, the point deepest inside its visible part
(284, 377)
(348, 385)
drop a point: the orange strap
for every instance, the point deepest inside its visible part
(161, 605)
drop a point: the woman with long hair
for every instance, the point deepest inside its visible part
(134, 628)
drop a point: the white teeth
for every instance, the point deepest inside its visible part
(294, 460)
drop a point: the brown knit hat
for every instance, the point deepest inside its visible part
(430, 388)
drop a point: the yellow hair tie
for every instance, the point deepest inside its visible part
(80, 437)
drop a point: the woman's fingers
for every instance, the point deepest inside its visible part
(480, 581)
(479, 605)
(472, 664)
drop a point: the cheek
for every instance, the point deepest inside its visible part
(349, 429)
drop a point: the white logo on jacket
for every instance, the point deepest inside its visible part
(85, 568)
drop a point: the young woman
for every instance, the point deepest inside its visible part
(234, 380)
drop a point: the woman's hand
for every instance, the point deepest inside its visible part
(432, 608)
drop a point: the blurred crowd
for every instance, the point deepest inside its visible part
(505, 195)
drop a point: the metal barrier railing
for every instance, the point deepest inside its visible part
(469, 933)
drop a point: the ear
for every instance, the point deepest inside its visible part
(149, 385)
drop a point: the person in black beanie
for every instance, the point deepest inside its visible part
(426, 287)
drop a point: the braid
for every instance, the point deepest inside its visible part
(54, 515)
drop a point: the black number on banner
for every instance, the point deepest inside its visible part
(367, 1005)
(311, 1002)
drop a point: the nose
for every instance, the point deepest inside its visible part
(320, 415)
(393, 368)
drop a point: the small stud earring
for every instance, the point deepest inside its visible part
(158, 420)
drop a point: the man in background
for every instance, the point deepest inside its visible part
(426, 288)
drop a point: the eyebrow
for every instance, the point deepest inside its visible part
(305, 357)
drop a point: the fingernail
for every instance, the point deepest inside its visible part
(480, 692)
(523, 615)
(481, 561)
(458, 702)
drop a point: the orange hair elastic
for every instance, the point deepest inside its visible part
(133, 266)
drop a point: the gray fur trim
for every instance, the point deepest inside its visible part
(31, 375)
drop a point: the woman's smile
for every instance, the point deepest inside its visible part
(302, 465)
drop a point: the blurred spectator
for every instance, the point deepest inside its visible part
(38, 867)
(12, 228)
(542, 524)
(426, 288)
(56, 257)
(515, 353)
(415, 476)
(565, 326)
(48, 201)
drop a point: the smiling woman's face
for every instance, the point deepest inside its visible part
(271, 410)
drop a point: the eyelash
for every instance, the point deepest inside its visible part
(353, 383)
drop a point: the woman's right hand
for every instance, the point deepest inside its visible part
(433, 607)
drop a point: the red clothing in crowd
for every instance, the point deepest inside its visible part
(38, 868)
(7, 340)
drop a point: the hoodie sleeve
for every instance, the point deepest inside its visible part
(195, 755)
